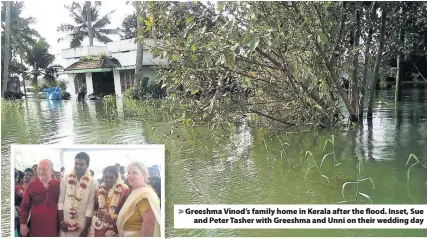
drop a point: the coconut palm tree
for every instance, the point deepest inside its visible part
(22, 37)
(80, 30)
(7, 49)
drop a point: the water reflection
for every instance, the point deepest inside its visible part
(249, 165)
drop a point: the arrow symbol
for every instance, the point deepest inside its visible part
(180, 211)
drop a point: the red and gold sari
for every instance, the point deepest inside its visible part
(109, 202)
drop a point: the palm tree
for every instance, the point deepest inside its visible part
(78, 32)
(22, 38)
(7, 49)
(41, 61)
(89, 23)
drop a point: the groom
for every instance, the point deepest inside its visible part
(77, 199)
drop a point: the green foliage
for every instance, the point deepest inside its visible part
(255, 46)
(62, 85)
(22, 37)
(65, 95)
(91, 58)
(39, 57)
(40, 95)
(128, 29)
(9, 106)
(109, 103)
(144, 90)
(291, 54)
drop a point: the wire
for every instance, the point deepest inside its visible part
(418, 70)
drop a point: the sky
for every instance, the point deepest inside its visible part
(50, 14)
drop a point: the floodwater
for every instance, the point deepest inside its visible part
(250, 165)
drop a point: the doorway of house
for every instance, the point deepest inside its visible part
(103, 83)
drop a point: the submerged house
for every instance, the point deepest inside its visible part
(108, 69)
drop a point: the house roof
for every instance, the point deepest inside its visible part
(96, 63)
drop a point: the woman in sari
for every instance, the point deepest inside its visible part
(140, 214)
(109, 199)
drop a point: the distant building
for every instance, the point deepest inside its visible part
(108, 69)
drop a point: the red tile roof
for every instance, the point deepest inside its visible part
(94, 64)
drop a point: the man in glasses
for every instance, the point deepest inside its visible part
(41, 197)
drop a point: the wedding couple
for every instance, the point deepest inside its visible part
(86, 209)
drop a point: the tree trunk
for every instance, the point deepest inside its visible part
(366, 62)
(365, 74)
(377, 63)
(330, 65)
(355, 77)
(139, 44)
(399, 78)
(89, 23)
(7, 48)
(400, 59)
(35, 77)
(23, 80)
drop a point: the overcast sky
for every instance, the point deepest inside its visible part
(50, 14)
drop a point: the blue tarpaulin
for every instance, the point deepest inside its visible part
(53, 93)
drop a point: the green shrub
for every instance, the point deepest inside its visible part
(143, 90)
(65, 95)
(62, 85)
(40, 95)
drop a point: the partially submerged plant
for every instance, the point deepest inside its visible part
(310, 155)
(357, 182)
(283, 151)
(417, 161)
(332, 142)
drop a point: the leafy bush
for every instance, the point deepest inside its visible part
(45, 85)
(65, 95)
(143, 90)
(62, 85)
(40, 95)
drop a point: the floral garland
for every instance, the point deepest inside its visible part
(114, 194)
(75, 191)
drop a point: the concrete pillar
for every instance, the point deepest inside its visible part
(117, 83)
(71, 87)
(89, 83)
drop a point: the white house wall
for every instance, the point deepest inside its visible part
(129, 58)
(129, 45)
(125, 58)
(83, 51)
(120, 46)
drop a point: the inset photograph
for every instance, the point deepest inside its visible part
(88, 190)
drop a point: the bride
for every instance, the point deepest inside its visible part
(109, 199)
